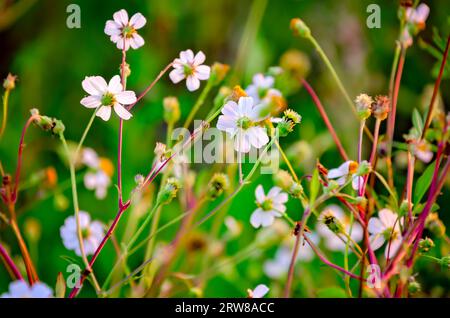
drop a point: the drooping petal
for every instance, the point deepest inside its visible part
(202, 72)
(267, 219)
(122, 112)
(115, 85)
(104, 112)
(342, 170)
(94, 85)
(192, 83)
(137, 21)
(121, 17)
(91, 101)
(256, 217)
(176, 75)
(259, 194)
(126, 97)
(136, 41)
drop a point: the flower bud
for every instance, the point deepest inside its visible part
(332, 222)
(364, 168)
(413, 286)
(139, 179)
(381, 107)
(60, 202)
(283, 179)
(10, 82)
(364, 106)
(425, 245)
(296, 63)
(299, 28)
(218, 72)
(296, 190)
(171, 109)
(284, 128)
(33, 229)
(169, 191)
(218, 184)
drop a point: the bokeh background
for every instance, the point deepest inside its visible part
(51, 60)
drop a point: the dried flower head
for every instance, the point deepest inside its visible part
(10, 82)
(381, 107)
(364, 106)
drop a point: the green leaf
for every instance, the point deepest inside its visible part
(331, 292)
(423, 183)
(314, 187)
(417, 121)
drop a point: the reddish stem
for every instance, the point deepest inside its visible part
(10, 263)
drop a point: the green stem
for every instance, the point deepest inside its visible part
(5, 112)
(198, 103)
(83, 137)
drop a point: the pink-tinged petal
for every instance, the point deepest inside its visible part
(260, 291)
(245, 105)
(136, 41)
(226, 123)
(94, 85)
(199, 58)
(104, 112)
(278, 209)
(122, 112)
(137, 21)
(256, 218)
(121, 17)
(242, 142)
(387, 217)
(91, 101)
(357, 182)
(123, 44)
(187, 56)
(258, 137)
(112, 28)
(421, 13)
(230, 109)
(280, 198)
(202, 72)
(259, 194)
(376, 241)
(259, 112)
(267, 219)
(375, 226)
(126, 97)
(176, 75)
(115, 85)
(192, 83)
(392, 247)
(273, 192)
(116, 38)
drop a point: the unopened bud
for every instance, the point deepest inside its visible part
(33, 229)
(381, 107)
(10, 82)
(413, 286)
(425, 245)
(169, 191)
(299, 28)
(171, 110)
(330, 220)
(218, 72)
(364, 168)
(283, 179)
(296, 63)
(296, 190)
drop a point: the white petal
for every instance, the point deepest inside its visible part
(90, 158)
(357, 182)
(241, 142)
(115, 85)
(375, 226)
(230, 109)
(136, 41)
(91, 101)
(122, 112)
(226, 123)
(121, 17)
(40, 290)
(259, 194)
(202, 72)
(392, 248)
(258, 136)
(260, 291)
(342, 170)
(90, 180)
(187, 56)
(177, 75)
(199, 58)
(280, 198)
(387, 217)
(245, 105)
(192, 83)
(376, 241)
(112, 28)
(104, 112)
(126, 97)
(94, 85)
(267, 219)
(273, 192)
(137, 21)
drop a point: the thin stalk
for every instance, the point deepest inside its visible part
(5, 112)
(372, 154)
(198, 104)
(10, 263)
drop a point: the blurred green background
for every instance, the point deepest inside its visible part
(51, 60)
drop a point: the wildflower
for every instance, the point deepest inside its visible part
(344, 171)
(98, 177)
(21, 289)
(239, 121)
(278, 267)
(9, 82)
(269, 206)
(169, 191)
(123, 31)
(190, 67)
(364, 106)
(418, 16)
(106, 96)
(422, 150)
(332, 226)
(261, 88)
(287, 123)
(259, 292)
(92, 233)
(385, 227)
(381, 107)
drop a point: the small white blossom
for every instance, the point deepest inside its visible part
(418, 15)
(343, 172)
(21, 289)
(98, 177)
(190, 67)
(106, 96)
(259, 292)
(422, 150)
(385, 228)
(123, 31)
(92, 232)
(269, 206)
(332, 241)
(240, 121)
(262, 88)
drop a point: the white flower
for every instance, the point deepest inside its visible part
(332, 241)
(422, 150)
(106, 96)
(92, 233)
(21, 289)
(262, 88)
(190, 67)
(385, 228)
(278, 267)
(344, 171)
(239, 121)
(122, 30)
(259, 292)
(269, 206)
(98, 177)
(418, 15)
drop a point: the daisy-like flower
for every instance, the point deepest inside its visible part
(269, 206)
(278, 267)
(332, 241)
(190, 67)
(21, 289)
(262, 88)
(92, 232)
(418, 16)
(259, 292)
(98, 178)
(105, 96)
(344, 171)
(240, 121)
(385, 228)
(422, 150)
(123, 31)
